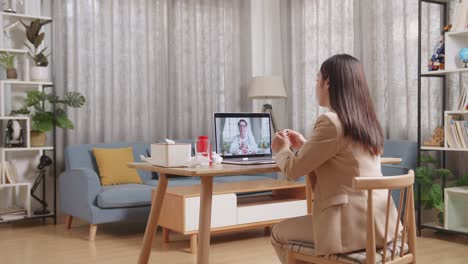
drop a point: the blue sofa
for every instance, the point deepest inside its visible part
(82, 196)
(408, 152)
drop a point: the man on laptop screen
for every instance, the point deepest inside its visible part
(243, 138)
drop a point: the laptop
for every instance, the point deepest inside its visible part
(243, 138)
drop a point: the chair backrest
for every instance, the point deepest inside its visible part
(405, 184)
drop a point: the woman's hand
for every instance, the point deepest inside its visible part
(280, 141)
(296, 139)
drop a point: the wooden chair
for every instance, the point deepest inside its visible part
(406, 253)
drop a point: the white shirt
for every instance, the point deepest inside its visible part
(237, 141)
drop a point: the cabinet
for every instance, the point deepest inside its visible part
(235, 206)
(456, 215)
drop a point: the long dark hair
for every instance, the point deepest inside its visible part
(350, 99)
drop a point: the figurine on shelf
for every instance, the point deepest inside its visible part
(437, 139)
(437, 61)
(14, 134)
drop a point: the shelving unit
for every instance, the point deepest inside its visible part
(22, 190)
(453, 42)
(17, 51)
(456, 217)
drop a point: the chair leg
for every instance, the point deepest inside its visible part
(193, 243)
(92, 232)
(68, 221)
(290, 259)
(165, 235)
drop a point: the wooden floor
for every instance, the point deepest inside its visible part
(120, 243)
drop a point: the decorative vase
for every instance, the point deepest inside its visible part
(38, 139)
(11, 73)
(463, 54)
(39, 74)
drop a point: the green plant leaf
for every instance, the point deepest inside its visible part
(7, 60)
(443, 173)
(64, 122)
(34, 98)
(74, 99)
(423, 175)
(38, 40)
(21, 111)
(435, 195)
(427, 159)
(43, 121)
(62, 119)
(37, 104)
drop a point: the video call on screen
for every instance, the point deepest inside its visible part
(243, 136)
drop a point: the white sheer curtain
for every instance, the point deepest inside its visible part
(312, 31)
(151, 69)
(383, 35)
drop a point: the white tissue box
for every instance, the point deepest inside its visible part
(170, 155)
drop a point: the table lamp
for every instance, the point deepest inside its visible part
(267, 87)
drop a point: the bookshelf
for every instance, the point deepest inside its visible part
(15, 190)
(454, 41)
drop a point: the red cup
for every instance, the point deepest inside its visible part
(202, 144)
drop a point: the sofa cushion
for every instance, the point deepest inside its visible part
(124, 195)
(112, 164)
(81, 156)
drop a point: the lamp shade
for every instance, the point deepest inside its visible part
(267, 87)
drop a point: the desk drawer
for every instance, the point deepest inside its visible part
(223, 211)
(271, 210)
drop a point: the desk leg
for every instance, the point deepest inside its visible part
(156, 205)
(204, 224)
(309, 192)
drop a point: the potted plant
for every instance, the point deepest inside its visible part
(431, 191)
(7, 60)
(38, 105)
(39, 72)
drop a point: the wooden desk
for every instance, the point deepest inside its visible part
(206, 174)
(392, 161)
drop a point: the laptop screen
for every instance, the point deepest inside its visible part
(243, 134)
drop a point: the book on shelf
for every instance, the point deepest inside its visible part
(11, 174)
(8, 176)
(460, 18)
(457, 133)
(463, 100)
(12, 217)
(14, 210)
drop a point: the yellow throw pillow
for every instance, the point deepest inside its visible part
(112, 164)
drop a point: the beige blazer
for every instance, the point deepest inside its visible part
(339, 213)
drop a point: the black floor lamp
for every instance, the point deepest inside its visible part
(268, 87)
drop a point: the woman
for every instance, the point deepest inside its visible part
(346, 143)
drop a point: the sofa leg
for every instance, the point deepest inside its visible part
(165, 235)
(193, 243)
(68, 221)
(267, 231)
(92, 232)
